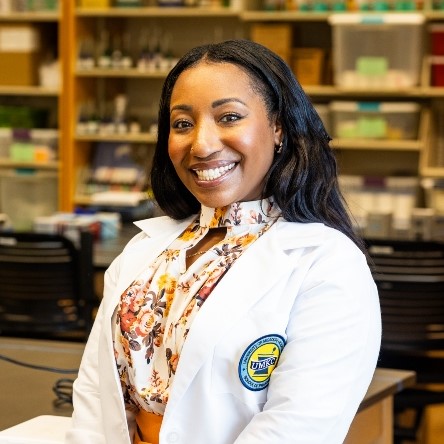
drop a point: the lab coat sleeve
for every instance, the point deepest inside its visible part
(333, 340)
(88, 421)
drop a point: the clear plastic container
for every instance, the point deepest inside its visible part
(377, 50)
(323, 111)
(375, 120)
(45, 142)
(24, 197)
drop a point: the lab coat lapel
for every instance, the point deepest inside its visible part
(252, 275)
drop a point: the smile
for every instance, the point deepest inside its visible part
(213, 173)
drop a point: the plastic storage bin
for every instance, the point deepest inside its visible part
(375, 120)
(380, 206)
(25, 197)
(323, 111)
(377, 51)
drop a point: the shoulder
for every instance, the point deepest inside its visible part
(315, 236)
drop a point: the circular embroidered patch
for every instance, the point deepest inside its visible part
(259, 360)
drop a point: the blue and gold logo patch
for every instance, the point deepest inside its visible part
(259, 360)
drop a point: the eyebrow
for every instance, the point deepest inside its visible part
(220, 102)
(215, 104)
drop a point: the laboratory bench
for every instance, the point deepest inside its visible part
(27, 393)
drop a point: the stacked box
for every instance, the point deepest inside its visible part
(308, 65)
(19, 55)
(277, 37)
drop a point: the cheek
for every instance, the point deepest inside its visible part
(174, 151)
(259, 145)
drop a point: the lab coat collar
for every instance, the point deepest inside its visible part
(158, 226)
(291, 234)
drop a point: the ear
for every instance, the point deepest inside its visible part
(278, 135)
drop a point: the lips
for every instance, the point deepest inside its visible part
(213, 173)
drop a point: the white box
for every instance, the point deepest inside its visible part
(375, 201)
(377, 50)
(375, 120)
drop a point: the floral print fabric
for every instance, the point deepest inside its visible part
(156, 311)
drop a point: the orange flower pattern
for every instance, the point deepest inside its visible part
(156, 311)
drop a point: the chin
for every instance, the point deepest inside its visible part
(214, 202)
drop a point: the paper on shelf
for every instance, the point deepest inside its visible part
(118, 198)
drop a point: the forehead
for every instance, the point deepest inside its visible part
(212, 80)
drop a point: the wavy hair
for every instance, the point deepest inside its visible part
(303, 177)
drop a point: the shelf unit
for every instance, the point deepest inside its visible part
(49, 23)
(364, 156)
(141, 86)
(187, 27)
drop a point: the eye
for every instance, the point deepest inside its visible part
(181, 124)
(230, 117)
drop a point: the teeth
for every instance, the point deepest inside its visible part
(213, 173)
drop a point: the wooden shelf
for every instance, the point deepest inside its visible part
(170, 12)
(6, 163)
(134, 138)
(418, 92)
(28, 91)
(82, 200)
(434, 172)
(284, 16)
(335, 91)
(132, 73)
(433, 15)
(377, 145)
(314, 16)
(38, 16)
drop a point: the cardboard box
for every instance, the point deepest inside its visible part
(308, 65)
(277, 37)
(19, 55)
(94, 3)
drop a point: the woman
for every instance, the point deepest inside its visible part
(247, 314)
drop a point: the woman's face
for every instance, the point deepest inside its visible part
(221, 140)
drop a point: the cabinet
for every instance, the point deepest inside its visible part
(31, 98)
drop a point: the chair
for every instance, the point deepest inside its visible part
(46, 286)
(410, 279)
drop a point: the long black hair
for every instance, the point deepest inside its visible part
(303, 177)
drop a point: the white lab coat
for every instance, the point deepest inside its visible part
(305, 282)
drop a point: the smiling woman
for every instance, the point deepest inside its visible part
(248, 313)
(221, 141)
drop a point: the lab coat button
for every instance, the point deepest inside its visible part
(173, 437)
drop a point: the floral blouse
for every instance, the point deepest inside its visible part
(156, 311)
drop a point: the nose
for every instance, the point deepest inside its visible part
(206, 139)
